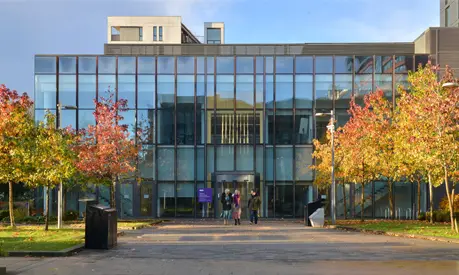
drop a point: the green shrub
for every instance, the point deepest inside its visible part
(70, 216)
(422, 216)
(4, 214)
(20, 213)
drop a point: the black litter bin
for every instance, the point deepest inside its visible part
(101, 227)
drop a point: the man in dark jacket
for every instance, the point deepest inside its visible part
(254, 206)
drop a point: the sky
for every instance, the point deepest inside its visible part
(29, 27)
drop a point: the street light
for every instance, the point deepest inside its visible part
(331, 128)
(61, 189)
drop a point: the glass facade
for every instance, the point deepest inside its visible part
(203, 115)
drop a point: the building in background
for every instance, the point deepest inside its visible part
(449, 13)
(231, 115)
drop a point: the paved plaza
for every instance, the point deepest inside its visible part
(199, 247)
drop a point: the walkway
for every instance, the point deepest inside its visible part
(196, 247)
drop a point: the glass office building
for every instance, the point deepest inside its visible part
(215, 121)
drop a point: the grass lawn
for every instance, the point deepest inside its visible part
(405, 227)
(35, 238)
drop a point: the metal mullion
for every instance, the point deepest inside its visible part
(215, 117)
(155, 182)
(175, 136)
(393, 81)
(314, 121)
(97, 80)
(274, 134)
(264, 121)
(136, 189)
(116, 80)
(58, 115)
(77, 94)
(195, 134)
(293, 134)
(254, 116)
(353, 78)
(333, 85)
(373, 74)
(205, 121)
(235, 145)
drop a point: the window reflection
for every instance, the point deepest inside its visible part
(147, 162)
(269, 127)
(323, 92)
(244, 91)
(260, 64)
(225, 65)
(185, 163)
(165, 126)
(304, 65)
(284, 91)
(45, 64)
(403, 64)
(68, 119)
(67, 89)
(86, 65)
(210, 65)
(244, 158)
(343, 90)
(107, 85)
(166, 200)
(185, 65)
(201, 63)
(200, 163)
(304, 130)
(225, 158)
(86, 91)
(384, 65)
(166, 65)
(185, 124)
(129, 122)
(269, 91)
(126, 65)
(244, 65)
(126, 89)
(259, 91)
(344, 64)
(185, 199)
(185, 89)
(146, 91)
(269, 162)
(165, 164)
(166, 85)
(146, 65)
(401, 82)
(303, 159)
(324, 64)
(364, 64)
(269, 64)
(284, 163)
(45, 91)
(284, 200)
(284, 127)
(146, 125)
(107, 65)
(303, 91)
(363, 86)
(85, 118)
(225, 92)
(200, 91)
(420, 60)
(67, 65)
(384, 82)
(284, 64)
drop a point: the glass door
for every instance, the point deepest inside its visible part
(245, 189)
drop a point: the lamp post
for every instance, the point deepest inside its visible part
(60, 194)
(331, 128)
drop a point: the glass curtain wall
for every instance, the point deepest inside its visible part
(204, 114)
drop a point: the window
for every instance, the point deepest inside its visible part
(115, 33)
(447, 17)
(140, 34)
(160, 33)
(214, 36)
(155, 33)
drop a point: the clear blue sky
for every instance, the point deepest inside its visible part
(29, 27)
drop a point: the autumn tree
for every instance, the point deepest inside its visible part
(106, 152)
(53, 158)
(16, 127)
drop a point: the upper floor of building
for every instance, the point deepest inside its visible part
(449, 13)
(159, 30)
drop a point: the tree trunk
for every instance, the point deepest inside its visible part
(390, 186)
(450, 202)
(47, 209)
(344, 200)
(112, 194)
(10, 204)
(362, 202)
(64, 199)
(430, 198)
(419, 198)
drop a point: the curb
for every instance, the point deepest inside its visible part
(62, 253)
(392, 234)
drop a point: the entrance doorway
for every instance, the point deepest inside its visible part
(243, 182)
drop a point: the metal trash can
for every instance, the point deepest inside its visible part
(101, 227)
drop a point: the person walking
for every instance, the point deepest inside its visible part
(227, 200)
(254, 206)
(237, 207)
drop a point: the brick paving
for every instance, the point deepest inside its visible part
(273, 247)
